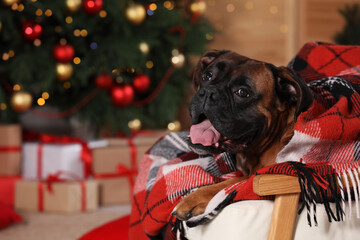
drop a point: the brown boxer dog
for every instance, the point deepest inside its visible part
(245, 107)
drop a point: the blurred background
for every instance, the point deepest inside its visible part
(99, 67)
(275, 30)
(112, 76)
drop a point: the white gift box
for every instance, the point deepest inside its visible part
(55, 157)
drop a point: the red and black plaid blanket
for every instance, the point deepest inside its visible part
(324, 148)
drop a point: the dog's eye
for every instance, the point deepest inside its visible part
(242, 92)
(207, 76)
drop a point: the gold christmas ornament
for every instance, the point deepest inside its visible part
(64, 71)
(73, 5)
(10, 2)
(21, 101)
(174, 126)
(135, 13)
(135, 125)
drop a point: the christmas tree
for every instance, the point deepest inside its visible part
(350, 34)
(107, 62)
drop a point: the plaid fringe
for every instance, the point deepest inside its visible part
(351, 178)
(315, 189)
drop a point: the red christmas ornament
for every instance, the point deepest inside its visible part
(104, 81)
(122, 95)
(31, 30)
(93, 6)
(63, 53)
(141, 83)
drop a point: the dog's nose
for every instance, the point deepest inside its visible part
(213, 94)
(209, 93)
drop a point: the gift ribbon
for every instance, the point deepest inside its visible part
(57, 178)
(85, 155)
(122, 171)
(39, 160)
(10, 149)
(40, 197)
(133, 153)
(133, 148)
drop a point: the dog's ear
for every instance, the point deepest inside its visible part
(202, 64)
(291, 87)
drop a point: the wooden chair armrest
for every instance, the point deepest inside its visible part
(287, 192)
(274, 184)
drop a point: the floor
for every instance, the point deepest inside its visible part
(50, 226)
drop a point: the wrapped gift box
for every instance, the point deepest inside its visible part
(105, 160)
(121, 151)
(54, 158)
(10, 149)
(65, 197)
(116, 190)
(7, 190)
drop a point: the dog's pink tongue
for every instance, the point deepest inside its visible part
(204, 133)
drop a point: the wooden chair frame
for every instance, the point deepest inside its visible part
(287, 192)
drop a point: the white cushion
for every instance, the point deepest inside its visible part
(251, 220)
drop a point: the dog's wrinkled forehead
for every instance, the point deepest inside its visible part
(218, 56)
(257, 72)
(216, 64)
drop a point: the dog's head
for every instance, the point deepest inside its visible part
(240, 100)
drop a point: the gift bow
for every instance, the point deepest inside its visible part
(56, 178)
(60, 176)
(85, 155)
(123, 170)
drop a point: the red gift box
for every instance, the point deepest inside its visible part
(7, 190)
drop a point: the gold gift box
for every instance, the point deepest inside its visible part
(10, 159)
(65, 197)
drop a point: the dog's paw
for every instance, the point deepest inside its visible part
(194, 204)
